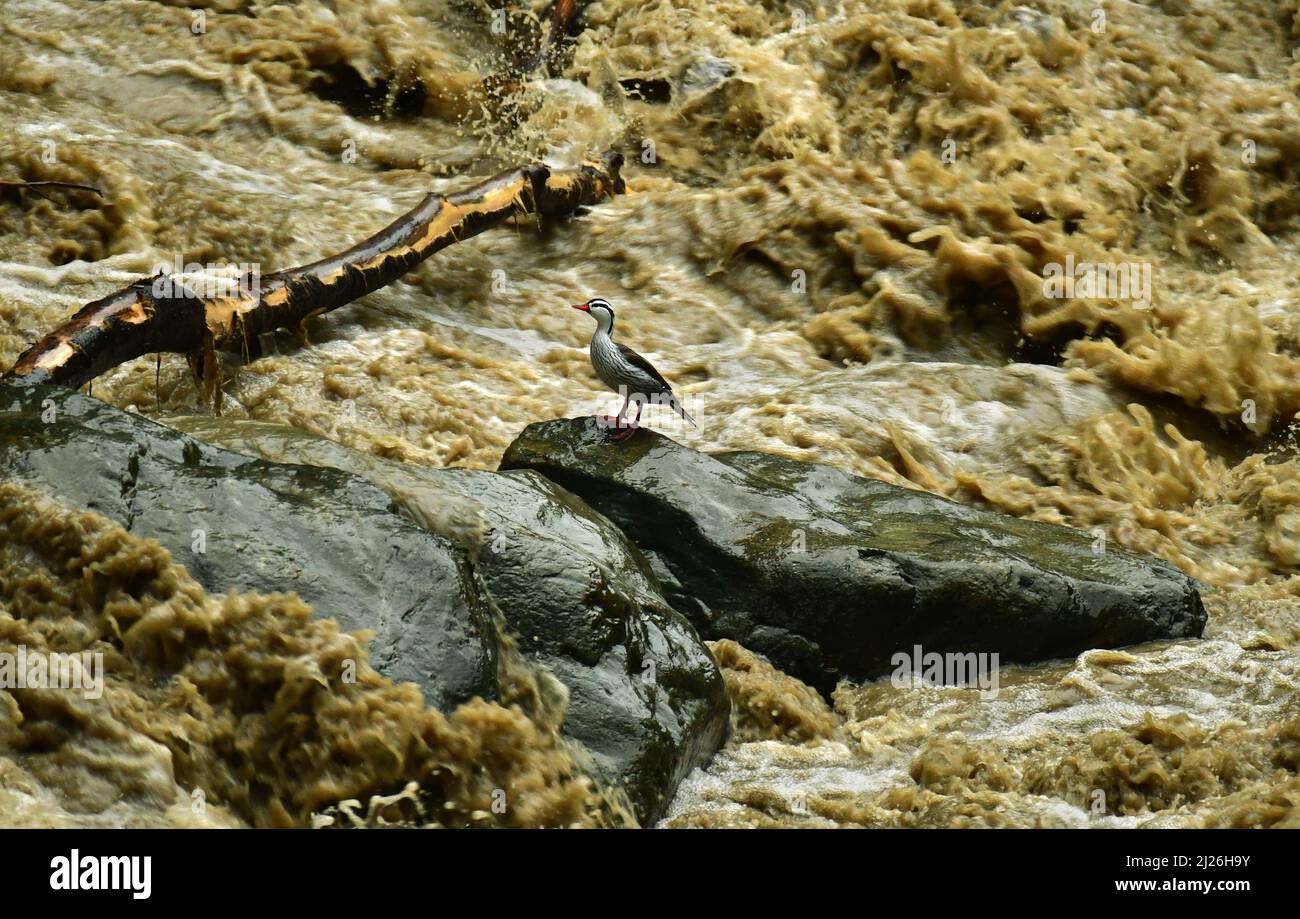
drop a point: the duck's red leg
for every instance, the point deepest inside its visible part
(631, 428)
(614, 421)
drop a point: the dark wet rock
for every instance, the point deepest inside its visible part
(645, 696)
(830, 575)
(331, 537)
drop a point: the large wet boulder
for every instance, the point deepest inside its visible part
(646, 698)
(830, 575)
(244, 524)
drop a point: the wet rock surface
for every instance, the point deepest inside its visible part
(830, 575)
(645, 696)
(244, 524)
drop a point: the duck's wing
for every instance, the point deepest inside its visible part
(641, 363)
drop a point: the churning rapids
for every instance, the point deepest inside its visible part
(838, 221)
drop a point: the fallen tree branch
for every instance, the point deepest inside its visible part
(138, 320)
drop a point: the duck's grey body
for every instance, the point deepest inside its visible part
(617, 371)
(622, 369)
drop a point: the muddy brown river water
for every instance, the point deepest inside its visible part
(838, 222)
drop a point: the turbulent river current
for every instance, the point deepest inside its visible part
(839, 229)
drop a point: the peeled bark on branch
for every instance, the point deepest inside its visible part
(138, 320)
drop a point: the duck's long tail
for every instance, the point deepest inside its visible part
(681, 410)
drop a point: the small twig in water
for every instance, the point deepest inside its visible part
(37, 186)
